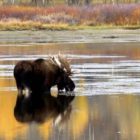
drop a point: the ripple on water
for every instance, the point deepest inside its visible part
(114, 77)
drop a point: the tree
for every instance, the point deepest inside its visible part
(87, 2)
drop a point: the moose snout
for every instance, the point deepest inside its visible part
(70, 86)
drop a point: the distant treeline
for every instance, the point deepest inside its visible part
(68, 2)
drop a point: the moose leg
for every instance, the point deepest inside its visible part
(46, 90)
(26, 92)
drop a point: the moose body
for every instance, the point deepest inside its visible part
(40, 75)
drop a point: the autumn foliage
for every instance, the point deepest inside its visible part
(103, 14)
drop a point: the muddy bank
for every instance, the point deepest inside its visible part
(83, 36)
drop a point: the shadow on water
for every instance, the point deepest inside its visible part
(107, 102)
(40, 107)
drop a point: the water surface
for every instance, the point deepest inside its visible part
(106, 106)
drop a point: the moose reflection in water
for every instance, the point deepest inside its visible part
(40, 75)
(40, 107)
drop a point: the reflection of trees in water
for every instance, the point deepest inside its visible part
(116, 117)
(9, 127)
(80, 116)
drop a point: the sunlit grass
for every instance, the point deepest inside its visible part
(30, 25)
(26, 25)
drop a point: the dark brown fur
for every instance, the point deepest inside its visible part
(40, 75)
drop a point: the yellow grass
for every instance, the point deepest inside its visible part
(30, 25)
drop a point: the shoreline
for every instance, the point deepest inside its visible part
(37, 26)
(42, 37)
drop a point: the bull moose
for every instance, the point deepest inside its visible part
(38, 76)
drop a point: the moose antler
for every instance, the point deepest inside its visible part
(62, 62)
(65, 64)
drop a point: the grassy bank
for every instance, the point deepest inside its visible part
(68, 18)
(29, 25)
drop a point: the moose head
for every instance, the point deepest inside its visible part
(64, 81)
